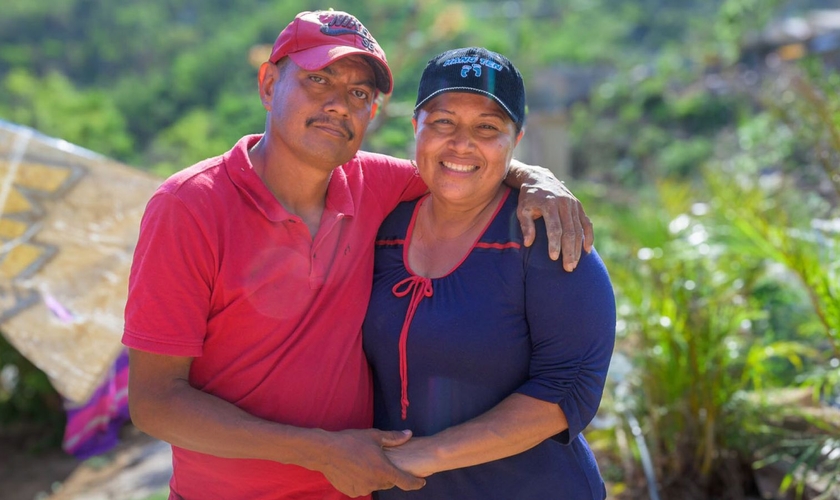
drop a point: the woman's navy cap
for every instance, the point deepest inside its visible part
(477, 70)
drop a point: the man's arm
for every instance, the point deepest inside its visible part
(164, 405)
(543, 195)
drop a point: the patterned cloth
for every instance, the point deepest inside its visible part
(94, 427)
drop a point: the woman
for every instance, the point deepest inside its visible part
(495, 372)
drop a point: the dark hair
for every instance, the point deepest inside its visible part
(283, 66)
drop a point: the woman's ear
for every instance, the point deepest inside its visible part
(373, 109)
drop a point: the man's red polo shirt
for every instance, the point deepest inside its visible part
(224, 274)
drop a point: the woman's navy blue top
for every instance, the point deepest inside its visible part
(507, 319)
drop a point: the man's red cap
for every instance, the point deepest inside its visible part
(314, 40)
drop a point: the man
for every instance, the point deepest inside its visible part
(251, 277)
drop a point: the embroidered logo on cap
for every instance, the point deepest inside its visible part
(469, 63)
(465, 70)
(337, 25)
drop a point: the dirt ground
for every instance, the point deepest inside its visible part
(137, 468)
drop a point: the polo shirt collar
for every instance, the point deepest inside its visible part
(241, 172)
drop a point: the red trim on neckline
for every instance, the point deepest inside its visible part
(410, 231)
(396, 241)
(498, 246)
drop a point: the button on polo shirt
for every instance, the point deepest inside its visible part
(339, 205)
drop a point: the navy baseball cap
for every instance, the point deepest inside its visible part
(476, 70)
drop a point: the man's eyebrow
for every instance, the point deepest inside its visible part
(366, 81)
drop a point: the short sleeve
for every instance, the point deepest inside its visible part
(571, 317)
(391, 180)
(170, 282)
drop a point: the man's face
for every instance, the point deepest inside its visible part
(321, 116)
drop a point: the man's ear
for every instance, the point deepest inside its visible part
(266, 78)
(519, 136)
(414, 124)
(378, 100)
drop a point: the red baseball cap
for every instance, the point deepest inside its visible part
(314, 40)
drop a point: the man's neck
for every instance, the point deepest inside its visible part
(300, 188)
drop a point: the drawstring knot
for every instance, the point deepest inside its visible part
(419, 287)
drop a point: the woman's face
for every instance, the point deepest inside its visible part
(465, 143)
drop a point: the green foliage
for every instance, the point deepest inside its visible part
(687, 321)
(717, 235)
(193, 136)
(786, 223)
(151, 64)
(737, 18)
(651, 121)
(53, 105)
(30, 409)
(161, 495)
(705, 316)
(712, 201)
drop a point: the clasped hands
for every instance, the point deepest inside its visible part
(366, 460)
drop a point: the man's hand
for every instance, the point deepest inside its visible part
(164, 404)
(541, 194)
(357, 465)
(566, 223)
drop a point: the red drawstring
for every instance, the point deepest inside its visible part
(419, 287)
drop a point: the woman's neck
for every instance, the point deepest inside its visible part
(443, 235)
(447, 221)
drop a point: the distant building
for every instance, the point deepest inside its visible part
(816, 32)
(551, 91)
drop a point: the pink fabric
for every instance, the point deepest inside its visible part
(93, 428)
(224, 274)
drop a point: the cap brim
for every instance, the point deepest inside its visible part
(517, 120)
(317, 58)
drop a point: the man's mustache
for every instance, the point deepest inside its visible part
(326, 120)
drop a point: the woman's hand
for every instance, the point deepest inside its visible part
(413, 457)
